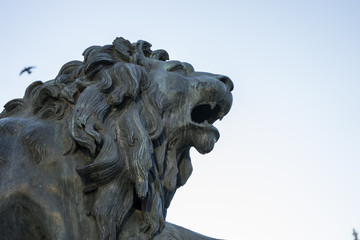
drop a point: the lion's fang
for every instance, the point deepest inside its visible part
(212, 105)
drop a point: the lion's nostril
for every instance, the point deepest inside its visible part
(227, 81)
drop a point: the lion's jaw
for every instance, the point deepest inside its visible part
(196, 101)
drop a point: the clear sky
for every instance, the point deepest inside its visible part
(287, 164)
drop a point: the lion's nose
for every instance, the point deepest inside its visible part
(227, 81)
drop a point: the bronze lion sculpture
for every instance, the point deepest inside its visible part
(99, 152)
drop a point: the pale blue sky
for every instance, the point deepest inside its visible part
(287, 163)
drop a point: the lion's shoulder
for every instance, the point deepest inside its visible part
(31, 139)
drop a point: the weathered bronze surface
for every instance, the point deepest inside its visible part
(98, 152)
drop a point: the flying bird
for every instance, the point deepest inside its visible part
(27, 69)
(355, 234)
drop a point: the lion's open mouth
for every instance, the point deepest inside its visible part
(206, 113)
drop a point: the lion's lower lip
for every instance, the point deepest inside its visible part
(204, 137)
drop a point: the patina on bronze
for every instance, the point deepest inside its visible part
(98, 152)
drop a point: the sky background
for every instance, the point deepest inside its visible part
(286, 166)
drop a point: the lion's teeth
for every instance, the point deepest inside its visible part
(206, 122)
(212, 105)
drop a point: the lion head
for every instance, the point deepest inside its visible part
(136, 114)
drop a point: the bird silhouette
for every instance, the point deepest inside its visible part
(355, 234)
(27, 69)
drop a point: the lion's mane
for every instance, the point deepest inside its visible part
(114, 113)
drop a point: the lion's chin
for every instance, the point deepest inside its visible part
(205, 137)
